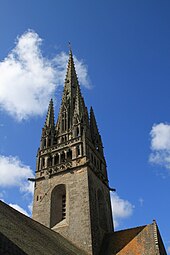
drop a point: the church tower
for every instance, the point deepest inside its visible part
(72, 195)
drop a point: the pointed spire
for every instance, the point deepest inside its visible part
(49, 123)
(71, 81)
(72, 99)
(96, 137)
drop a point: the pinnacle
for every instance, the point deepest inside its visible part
(79, 103)
(93, 119)
(91, 110)
(95, 135)
(50, 115)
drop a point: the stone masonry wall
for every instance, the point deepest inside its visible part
(77, 225)
(100, 210)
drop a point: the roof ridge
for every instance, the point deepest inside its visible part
(126, 229)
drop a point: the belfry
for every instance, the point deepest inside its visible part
(72, 194)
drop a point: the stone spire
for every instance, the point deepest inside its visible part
(71, 76)
(95, 136)
(48, 131)
(49, 123)
(72, 106)
(71, 82)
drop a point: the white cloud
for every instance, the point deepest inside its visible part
(15, 174)
(82, 72)
(121, 209)
(160, 135)
(160, 145)
(28, 79)
(18, 208)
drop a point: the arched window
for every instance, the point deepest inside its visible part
(44, 143)
(102, 210)
(43, 162)
(49, 141)
(62, 157)
(56, 159)
(49, 162)
(69, 154)
(77, 131)
(78, 150)
(58, 205)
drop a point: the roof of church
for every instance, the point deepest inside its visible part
(20, 234)
(141, 240)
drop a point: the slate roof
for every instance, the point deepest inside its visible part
(22, 235)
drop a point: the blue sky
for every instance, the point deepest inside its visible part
(122, 55)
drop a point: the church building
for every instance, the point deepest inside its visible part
(72, 208)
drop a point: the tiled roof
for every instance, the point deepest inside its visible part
(143, 240)
(114, 242)
(22, 235)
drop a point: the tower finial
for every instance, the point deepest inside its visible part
(69, 46)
